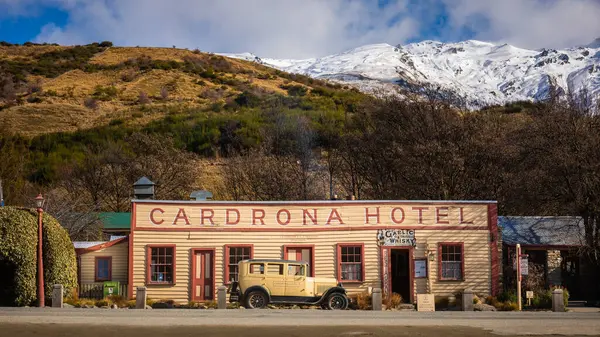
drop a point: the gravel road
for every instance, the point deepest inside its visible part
(264, 323)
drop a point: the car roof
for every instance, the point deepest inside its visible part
(274, 261)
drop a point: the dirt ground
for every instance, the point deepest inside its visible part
(57, 330)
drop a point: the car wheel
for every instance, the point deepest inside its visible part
(337, 301)
(256, 300)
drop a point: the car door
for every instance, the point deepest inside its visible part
(275, 279)
(295, 280)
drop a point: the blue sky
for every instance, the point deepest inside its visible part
(298, 28)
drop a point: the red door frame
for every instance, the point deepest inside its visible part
(193, 284)
(389, 271)
(312, 255)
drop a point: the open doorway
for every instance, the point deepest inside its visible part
(400, 273)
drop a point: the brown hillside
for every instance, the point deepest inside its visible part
(66, 88)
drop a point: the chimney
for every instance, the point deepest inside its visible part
(143, 189)
(201, 195)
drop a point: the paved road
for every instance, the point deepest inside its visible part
(504, 323)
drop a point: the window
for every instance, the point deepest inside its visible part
(161, 265)
(233, 255)
(296, 270)
(257, 268)
(301, 253)
(274, 269)
(103, 268)
(351, 263)
(451, 261)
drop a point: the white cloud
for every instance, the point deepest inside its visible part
(530, 23)
(310, 28)
(268, 28)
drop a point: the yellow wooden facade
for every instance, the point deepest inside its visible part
(270, 227)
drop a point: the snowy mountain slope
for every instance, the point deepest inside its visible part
(481, 72)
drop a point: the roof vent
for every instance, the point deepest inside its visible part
(201, 195)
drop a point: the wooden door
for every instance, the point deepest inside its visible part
(301, 254)
(203, 275)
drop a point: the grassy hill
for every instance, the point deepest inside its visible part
(48, 88)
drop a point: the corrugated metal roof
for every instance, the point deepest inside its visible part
(114, 220)
(542, 230)
(86, 244)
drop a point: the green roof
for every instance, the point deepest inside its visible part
(113, 220)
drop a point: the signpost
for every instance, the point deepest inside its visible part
(529, 295)
(518, 257)
(522, 263)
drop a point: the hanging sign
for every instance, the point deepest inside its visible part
(396, 237)
(524, 265)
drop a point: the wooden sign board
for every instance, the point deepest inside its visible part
(529, 294)
(425, 302)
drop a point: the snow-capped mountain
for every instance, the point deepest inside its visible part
(482, 73)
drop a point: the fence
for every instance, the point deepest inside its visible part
(96, 290)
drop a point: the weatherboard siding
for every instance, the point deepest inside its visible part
(466, 224)
(119, 254)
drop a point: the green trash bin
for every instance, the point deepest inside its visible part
(111, 288)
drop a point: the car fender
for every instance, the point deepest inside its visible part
(259, 288)
(331, 291)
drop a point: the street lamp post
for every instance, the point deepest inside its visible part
(39, 202)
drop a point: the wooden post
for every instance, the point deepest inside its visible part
(140, 298)
(519, 276)
(376, 299)
(57, 296)
(222, 297)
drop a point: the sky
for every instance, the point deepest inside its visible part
(299, 28)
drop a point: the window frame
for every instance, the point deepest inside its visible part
(311, 263)
(462, 261)
(339, 261)
(226, 260)
(149, 265)
(96, 259)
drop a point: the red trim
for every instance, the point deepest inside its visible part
(410, 269)
(130, 258)
(226, 260)
(312, 255)
(324, 204)
(426, 270)
(325, 228)
(339, 261)
(96, 278)
(544, 247)
(149, 260)
(495, 255)
(193, 271)
(462, 262)
(101, 246)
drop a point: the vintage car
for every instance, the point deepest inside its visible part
(262, 282)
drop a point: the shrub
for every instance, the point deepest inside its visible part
(510, 296)
(128, 75)
(211, 305)
(441, 302)
(34, 87)
(119, 300)
(392, 302)
(164, 93)
(105, 44)
(143, 98)
(34, 99)
(105, 93)
(102, 303)
(137, 115)
(508, 306)
(18, 258)
(364, 301)
(90, 103)
(196, 51)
